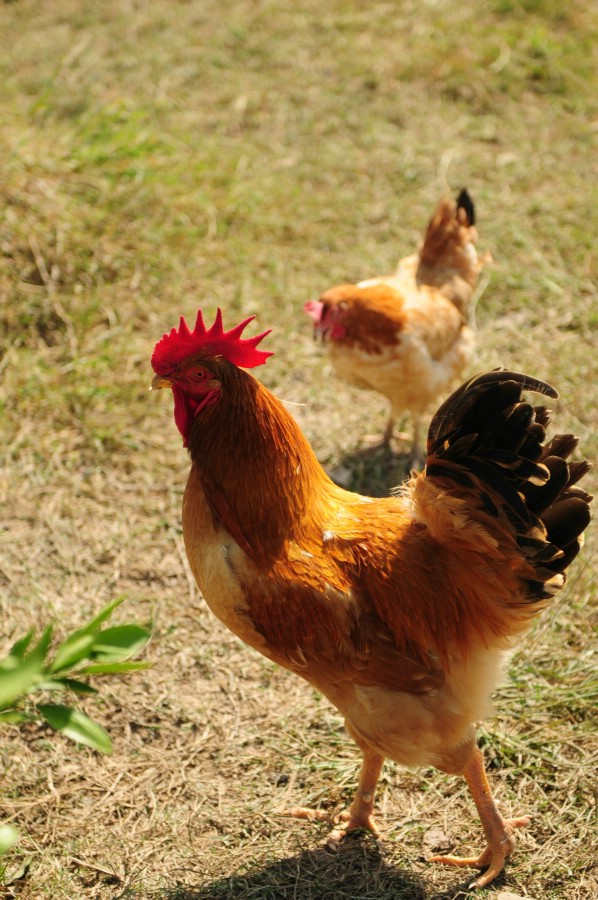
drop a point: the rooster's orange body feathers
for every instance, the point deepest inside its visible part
(400, 610)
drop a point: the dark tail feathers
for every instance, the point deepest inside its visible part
(465, 203)
(486, 437)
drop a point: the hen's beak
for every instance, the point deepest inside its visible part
(314, 308)
(160, 381)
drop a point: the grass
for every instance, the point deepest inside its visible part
(156, 157)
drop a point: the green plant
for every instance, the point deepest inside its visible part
(92, 650)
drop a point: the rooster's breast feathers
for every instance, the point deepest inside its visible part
(308, 611)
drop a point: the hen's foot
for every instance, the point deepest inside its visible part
(493, 857)
(343, 822)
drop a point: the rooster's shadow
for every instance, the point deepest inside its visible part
(358, 872)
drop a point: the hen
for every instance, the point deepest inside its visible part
(407, 335)
(400, 610)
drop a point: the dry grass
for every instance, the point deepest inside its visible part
(160, 156)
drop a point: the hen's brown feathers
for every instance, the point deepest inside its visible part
(447, 251)
(406, 335)
(374, 315)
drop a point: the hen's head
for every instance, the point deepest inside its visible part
(329, 311)
(191, 364)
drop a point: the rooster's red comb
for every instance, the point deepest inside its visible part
(178, 344)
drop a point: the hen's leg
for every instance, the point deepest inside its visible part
(416, 454)
(360, 814)
(498, 831)
(387, 436)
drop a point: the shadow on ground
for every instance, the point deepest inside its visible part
(373, 471)
(358, 872)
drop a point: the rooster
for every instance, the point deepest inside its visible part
(401, 609)
(406, 335)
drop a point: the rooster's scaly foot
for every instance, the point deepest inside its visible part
(493, 857)
(343, 822)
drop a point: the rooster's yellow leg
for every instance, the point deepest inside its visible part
(360, 814)
(498, 831)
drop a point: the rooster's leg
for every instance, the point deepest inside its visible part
(360, 814)
(498, 831)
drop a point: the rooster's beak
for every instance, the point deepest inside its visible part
(159, 381)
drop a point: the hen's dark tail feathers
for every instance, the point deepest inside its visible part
(449, 236)
(465, 203)
(485, 436)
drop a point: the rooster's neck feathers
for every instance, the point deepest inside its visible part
(260, 476)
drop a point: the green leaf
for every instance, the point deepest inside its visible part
(8, 837)
(94, 624)
(112, 668)
(51, 684)
(73, 650)
(110, 644)
(17, 677)
(79, 687)
(15, 717)
(41, 648)
(65, 684)
(76, 726)
(118, 643)
(18, 649)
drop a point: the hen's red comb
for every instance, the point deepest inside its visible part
(174, 347)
